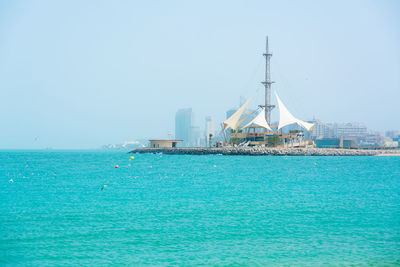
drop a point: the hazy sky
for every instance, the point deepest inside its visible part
(80, 74)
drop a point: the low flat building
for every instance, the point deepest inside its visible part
(160, 143)
(328, 143)
(343, 142)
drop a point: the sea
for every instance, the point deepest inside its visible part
(100, 208)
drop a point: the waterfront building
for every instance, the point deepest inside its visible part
(164, 143)
(372, 139)
(183, 126)
(259, 132)
(249, 130)
(342, 142)
(337, 130)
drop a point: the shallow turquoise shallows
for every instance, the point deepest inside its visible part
(57, 209)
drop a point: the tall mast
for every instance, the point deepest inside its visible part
(267, 83)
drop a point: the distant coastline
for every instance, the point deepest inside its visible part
(260, 151)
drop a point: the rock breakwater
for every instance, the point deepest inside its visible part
(258, 151)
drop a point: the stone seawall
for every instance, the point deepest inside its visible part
(258, 151)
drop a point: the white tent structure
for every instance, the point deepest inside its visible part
(259, 120)
(286, 118)
(233, 121)
(263, 119)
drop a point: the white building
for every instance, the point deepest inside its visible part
(372, 139)
(322, 130)
(318, 130)
(353, 129)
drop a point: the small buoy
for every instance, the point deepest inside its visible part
(104, 187)
(215, 166)
(132, 157)
(11, 181)
(116, 166)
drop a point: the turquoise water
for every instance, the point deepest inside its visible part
(197, 210)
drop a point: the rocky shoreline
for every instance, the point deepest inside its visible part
(259, 151)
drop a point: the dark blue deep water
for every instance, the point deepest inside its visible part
(197, 210)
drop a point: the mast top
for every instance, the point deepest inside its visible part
(267, 53)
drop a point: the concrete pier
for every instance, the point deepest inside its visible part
(258, 151)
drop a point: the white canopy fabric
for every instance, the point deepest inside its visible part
(245, 118)
(286, 118)
(233, 121)
(259, 120)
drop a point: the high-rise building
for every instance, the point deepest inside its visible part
(322, 130)
(318, 129)
(350, 130)
(329, 130)
(209, 129)
(183, 125)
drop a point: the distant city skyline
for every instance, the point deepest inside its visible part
(85, 74)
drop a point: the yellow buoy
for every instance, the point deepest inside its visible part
(132, 157)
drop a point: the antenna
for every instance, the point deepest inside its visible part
(267, 83)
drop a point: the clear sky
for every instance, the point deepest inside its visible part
(80, 74)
